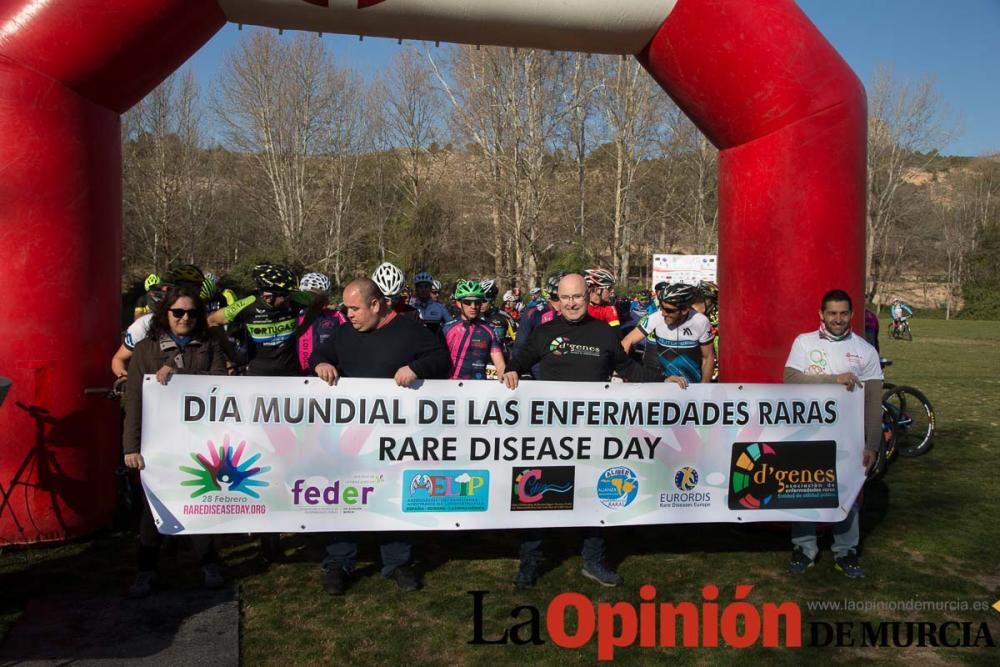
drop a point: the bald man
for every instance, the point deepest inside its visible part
(587, 350)
(378, 344)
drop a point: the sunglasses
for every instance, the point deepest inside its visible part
(179, 313)
(669, 311)
(470, 302)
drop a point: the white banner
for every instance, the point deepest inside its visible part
(240, 454)
(688, 269)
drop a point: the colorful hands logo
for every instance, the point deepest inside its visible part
(224, 467)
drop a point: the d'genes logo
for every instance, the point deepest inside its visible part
(559, 346)
(783, 475)
(225, 470)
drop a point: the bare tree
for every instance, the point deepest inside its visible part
(630, 104)
(275, 103)
(905, 124)
(168, 183)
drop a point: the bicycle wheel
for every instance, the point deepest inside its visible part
(887, 446)
(914, 420)
(905, 333)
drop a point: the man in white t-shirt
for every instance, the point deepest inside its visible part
(678, 338)
(834, 355)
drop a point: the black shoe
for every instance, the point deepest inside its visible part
(850, 565)
(600, 572)
(800, 562)
(527, 575)
(406, 578)
(336, 580)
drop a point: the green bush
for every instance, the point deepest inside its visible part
(981, 283)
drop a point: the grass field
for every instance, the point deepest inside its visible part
(930, 534)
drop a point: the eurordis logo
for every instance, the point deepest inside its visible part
(542, 488)
(783, 475)
(617, 487)
(687, 495)
(225, 470)
(446, 490)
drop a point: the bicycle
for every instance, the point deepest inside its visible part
(887, 448)
(900, 329)
(914, 415)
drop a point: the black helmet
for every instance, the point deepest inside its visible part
(678, 294)
(274, 278)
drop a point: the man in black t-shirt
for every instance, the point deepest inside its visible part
(379, 344)
(575, 347)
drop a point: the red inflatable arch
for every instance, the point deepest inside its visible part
(757, 77)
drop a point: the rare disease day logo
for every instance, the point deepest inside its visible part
(225, 470)
(617, 487)
(783, 475)
(542, 488)
(446, 490)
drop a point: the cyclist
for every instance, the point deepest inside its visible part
(900, 314)
(436, 290)
(510, 305)
(537, 299)
(472, 343)
(542, 313)
(432, 313)
(318, 320)
(504, 326)
(710, 291)
(678, 338)
(871, 329)
(601, 283)
(392, 283)
(833, 355)
(143, 305)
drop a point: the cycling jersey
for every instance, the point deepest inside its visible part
(900, 310)
(137, 331)
(676, 350)
(503, 326)
(471, 342)
(432, 313)
(606, 313)
(271, 345)
(317, 333)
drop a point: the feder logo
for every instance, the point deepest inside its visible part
(783, 475)
(224, 466)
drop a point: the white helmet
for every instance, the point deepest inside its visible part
(423, 277)
(389, 279)
(314, 282)
(436, 285)
(508, 297)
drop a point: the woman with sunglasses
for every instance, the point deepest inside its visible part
(178, 342)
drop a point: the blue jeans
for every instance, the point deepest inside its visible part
(592, 552)
(846, 535)
(343, 552)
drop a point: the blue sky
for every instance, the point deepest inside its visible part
(956, 42)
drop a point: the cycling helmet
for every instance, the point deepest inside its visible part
(599, 278)
(553, 283)
(423, 277)
(389, 278)
(186, 273)
(709, 289)
(678, 294)
(274, 278)
(151, 280)
(436, 285)
(535, 291)
(508, 297)
(158, 293)
(468, 289)
(208, 286)
(490, 290)
(314, 282)
(658, 287)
